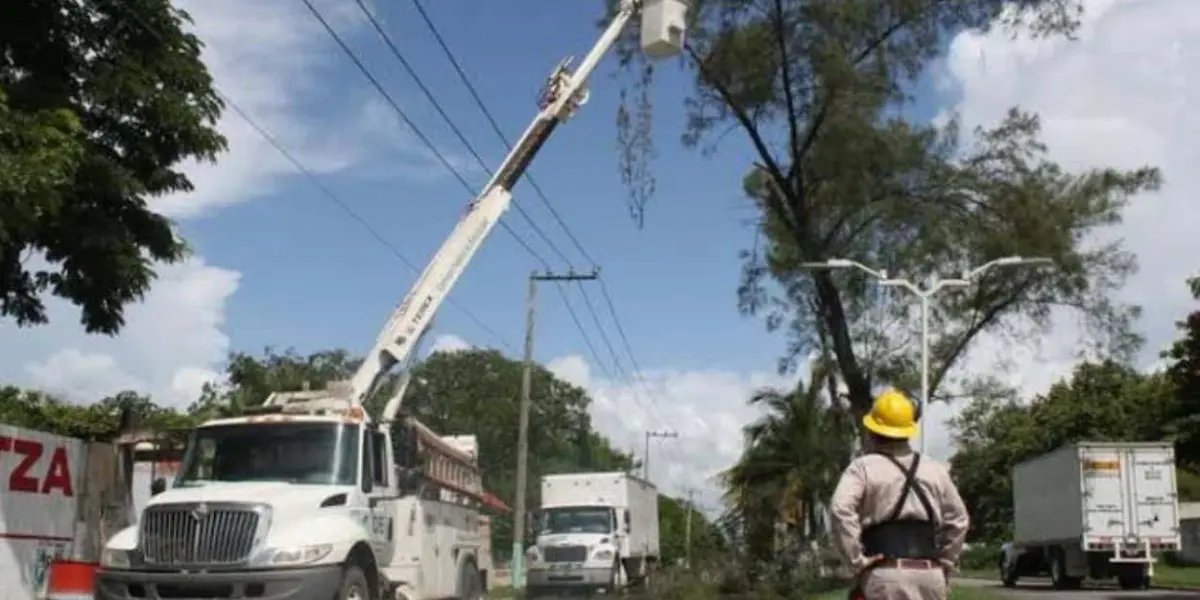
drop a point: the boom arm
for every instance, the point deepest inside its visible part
(565, 92)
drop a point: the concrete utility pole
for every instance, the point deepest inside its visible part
(687, 536)
(646, 456)
(932, 287)
(518, 544)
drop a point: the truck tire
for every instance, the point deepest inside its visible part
(1133, 579)
(1058, 573)
(354, 584)
(469, 585)
(1008, 573)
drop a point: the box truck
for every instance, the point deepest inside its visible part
(593, 531)
(1094, 510)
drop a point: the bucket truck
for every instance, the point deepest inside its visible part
(308, 498)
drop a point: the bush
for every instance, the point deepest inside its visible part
(980, 557)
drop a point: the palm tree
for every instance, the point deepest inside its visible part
(794, 455)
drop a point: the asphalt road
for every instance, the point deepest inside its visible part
(1035, 589)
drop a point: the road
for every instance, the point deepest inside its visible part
(1038, 590)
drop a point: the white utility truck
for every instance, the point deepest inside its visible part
(594, 531)
(1093, 510)
(308, 498)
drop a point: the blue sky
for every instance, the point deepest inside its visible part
(673, 281)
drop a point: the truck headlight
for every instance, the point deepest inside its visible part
(298, 555)
(605, 554)
(531, 555)
(114, 559)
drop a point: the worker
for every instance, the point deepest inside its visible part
(898, 520)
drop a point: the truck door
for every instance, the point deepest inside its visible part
(1104, 507)
(1151, 475)
(380, 497)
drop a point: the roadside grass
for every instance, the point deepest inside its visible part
(1164, 575)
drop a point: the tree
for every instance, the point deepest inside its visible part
(794, 455)
(100, 102)
(815, 87)
(1184, 372)
(462, 392)
(98, 421)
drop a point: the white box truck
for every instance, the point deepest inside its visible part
(1093, 510)
(593, 531)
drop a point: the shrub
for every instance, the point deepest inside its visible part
(980, 557)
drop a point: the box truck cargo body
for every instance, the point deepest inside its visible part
(594, 531)
(1096, 510)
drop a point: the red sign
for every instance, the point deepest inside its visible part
(22, 457)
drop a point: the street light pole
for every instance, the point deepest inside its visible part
(926, 295)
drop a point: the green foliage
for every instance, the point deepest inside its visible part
(1100, 401)
(672, 532)
(793, 457)
(35, 410)
(980, 557)
(814, 86)
(100, 103)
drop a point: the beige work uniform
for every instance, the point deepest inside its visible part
(867, 494)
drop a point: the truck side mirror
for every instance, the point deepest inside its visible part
(158, 486)
(628, 528)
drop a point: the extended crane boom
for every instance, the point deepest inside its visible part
(564, 93)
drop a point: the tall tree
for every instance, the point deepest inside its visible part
(816, 87)
(463, 392)
(1184, 371)
(794, 454)
(100, 103)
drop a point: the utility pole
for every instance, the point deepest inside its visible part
(646, 456)
(687, 536)
(519, 513)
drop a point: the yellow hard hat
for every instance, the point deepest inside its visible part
(892, 416)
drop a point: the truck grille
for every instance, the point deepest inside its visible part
(566, 553)
(198, 534)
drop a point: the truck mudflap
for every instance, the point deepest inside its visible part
(308, 583)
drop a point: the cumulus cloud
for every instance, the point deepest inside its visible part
(448, 342)
(706, 408)
(1119, 96)
(268, 56)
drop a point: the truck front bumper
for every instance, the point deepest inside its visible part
(308, 583)
(541, 578)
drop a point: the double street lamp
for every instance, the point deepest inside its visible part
(926, 294)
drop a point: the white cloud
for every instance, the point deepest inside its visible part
(269, 56)
(706, 408)
(448, 343)
(1122, 95)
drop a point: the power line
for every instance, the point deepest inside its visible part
(387, 40)
(411, 125)
(325, 190)
(496, 128)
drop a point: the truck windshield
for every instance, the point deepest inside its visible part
(594, 519)
(304, 453)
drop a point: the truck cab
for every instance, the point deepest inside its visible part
(593, 531)
(308, 501)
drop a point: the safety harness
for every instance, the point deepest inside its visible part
(895, 538)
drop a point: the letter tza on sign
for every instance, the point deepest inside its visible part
(24, 478)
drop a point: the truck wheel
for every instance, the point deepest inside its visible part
(354, 584)
(1058, 573)
(1008, 573)
(469, 583)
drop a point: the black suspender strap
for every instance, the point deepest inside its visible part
(910, 487)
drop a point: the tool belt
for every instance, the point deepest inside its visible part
(895, 538)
